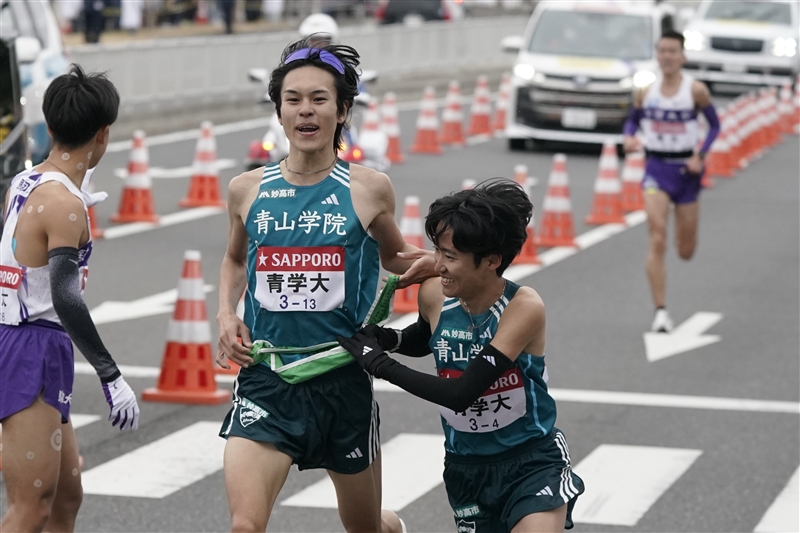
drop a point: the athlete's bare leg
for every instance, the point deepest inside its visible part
(547, 522)
(69, 493)
(254, 475)
(32, 444)
(686, 221)
(656, 205)
(359, 512)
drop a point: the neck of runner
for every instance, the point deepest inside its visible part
(486, 297)
(72, 164)
(306, 168)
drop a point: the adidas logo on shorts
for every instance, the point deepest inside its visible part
(545, 492)
(355, 454)
(330, 200)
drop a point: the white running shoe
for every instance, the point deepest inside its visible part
(662, 323)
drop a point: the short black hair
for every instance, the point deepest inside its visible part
(490, 219)
(672, 34)
(346, 85)
(77, 105)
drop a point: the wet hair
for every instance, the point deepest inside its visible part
(490, 219)
(672, 34)
(346, 84)
(77, 105)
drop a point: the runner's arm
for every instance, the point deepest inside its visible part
(632, 125)
(702, 99)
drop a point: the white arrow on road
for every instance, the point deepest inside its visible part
(687, 336)
(157, 304)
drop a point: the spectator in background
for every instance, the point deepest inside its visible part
(226, 7)
(94, 18)
(131, 15)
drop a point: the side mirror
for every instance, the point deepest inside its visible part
(512, 43)
(28, 49)
(258, 74)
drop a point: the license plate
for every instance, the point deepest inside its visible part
(578, 118)
(738, 69)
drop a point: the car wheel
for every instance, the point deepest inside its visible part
(517, 145)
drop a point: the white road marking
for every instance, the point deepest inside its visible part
(642, 399)
(156, 304)
(79, 420)
(623, 482)
(784, 513)
(180, 217)
(162, 467)
(180, 172)
(412, 465)
(686, 337)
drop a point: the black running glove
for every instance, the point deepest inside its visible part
(366, 350)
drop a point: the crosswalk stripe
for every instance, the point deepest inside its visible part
(784, 513)
(623, 482)
(162, 467)
(412, 465)
(79, 420)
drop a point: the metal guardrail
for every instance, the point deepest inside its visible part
(170, 74)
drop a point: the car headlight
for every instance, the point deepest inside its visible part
(784, 47)
(524, 71)
(694, 40)
(643, 78)
(626, 83)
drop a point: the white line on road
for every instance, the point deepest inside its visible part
(622, 482)
(412, 465)
(643, 399)
(164, 221)
(162, 467)
(179, 172)
(784, 513)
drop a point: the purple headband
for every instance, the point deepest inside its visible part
(324, 55)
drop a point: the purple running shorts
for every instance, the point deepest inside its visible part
(673, 178)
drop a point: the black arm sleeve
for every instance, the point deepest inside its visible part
(65, 288)
(414, 339)
(457, 393)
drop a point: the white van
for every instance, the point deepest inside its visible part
(577, 66)
(35, 19)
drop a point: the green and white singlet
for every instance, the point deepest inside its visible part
(312, 269)
(515, 409)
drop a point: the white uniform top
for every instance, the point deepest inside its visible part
(25, 292)
(670, 123)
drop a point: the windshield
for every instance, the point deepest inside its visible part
(769, 12)
(593, 34)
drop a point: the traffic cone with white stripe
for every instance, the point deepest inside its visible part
(405, 300)
(204, 184)
(136, 202)
(528, 254)
(480, 110)
(796, 112)
(187, 370)
(391, 127)
(427, 141)
(452, 117)
(607, 202)
(786, 109)
(372, 117)
(632, 175)
(557, 228)
(501, 107)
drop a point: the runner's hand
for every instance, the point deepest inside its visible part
(122, 400)
(366, 351)
(694, 164)
(91, 198)
(631, 144)
(231, 330)
(422, 268)
(388, 339)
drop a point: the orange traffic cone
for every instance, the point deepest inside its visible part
(557, 226)
(187, 370)
(204, 184)
(719, 164)
(136, 203)
(501, 107)
(426, 141)
(786, 109)
(452, 117)
(391, 128)
(607, 202)
(632, 175)
(480, 110)
(405, 300)
(97, 233)
(372, 117)
(528, 255)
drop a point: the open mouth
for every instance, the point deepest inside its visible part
(307, 128)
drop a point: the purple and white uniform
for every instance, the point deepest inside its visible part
(36, 355)
(671, 134)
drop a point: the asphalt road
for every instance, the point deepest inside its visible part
(716, 464)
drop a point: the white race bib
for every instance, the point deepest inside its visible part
(300, 278)
(501, 404)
